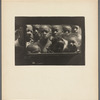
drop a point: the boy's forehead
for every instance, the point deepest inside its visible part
(75, 26)
(57, 27)
(67, 27)
(29, 27)
(36, 26)
(45, 27)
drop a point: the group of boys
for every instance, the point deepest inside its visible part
(50, 38)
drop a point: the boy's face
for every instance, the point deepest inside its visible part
(29, 32)
(67, 30)
(45, 31)
(73, 42)
(57, 44)
(75, 29)
(56, 30)
(36, 32)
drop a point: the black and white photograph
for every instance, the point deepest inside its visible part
(49, 49)
(49, 40)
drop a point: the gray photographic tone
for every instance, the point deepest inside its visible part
(49, 41)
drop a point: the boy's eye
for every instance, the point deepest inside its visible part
(67, 31)
(75, 28)
(72, 41)
(29, 31)
(45, 31)
(36, 29)
(55, 30)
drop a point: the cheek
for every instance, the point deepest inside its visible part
(29, 34)
(77, 30)
(37, 34)
(76, 43)
(67, 33)
(59, 34)
(48, 34)
(60, 31)
(65, 36)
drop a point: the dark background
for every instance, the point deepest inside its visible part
(20, 21)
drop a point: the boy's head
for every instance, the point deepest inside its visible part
(76, 29)
(74, 44)
(45, 31)
(29, 32)
(56, 30)
(36, 32)
(33, 48)
(67, 30)
(57, 44)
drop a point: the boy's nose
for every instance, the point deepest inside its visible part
(67, 31)
(44, 33)
(55, 32)
(29, 34)
(36, 31)
(75, 29)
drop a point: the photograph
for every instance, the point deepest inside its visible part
(49, 50)
(49, 40)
